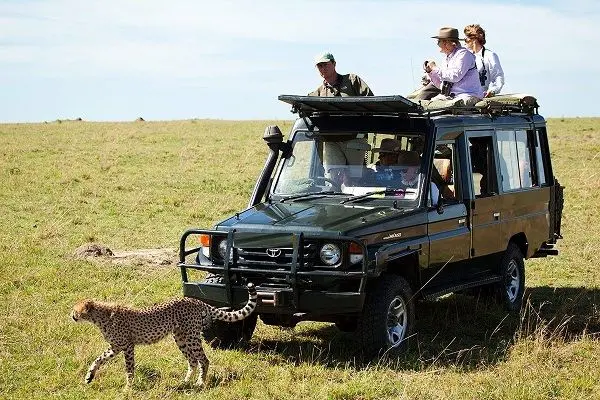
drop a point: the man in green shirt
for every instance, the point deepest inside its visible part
(335, 84)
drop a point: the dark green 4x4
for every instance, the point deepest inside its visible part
(331, 234)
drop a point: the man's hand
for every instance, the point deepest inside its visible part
(429, 66)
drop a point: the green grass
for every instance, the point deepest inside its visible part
(141, 184)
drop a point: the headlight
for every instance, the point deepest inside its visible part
(222, 248)
(330, 254)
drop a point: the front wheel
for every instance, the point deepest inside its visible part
(512, 287)
(388, 316)
(229, 335)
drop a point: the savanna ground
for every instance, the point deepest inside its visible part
(139, 185)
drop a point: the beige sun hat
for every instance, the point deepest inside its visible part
(447, 33)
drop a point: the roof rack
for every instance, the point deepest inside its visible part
(399, 105)
(308, 105)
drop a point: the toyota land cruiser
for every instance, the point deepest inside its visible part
(332, 235)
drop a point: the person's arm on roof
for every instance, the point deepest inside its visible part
(496, 73)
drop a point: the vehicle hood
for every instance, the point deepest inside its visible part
(310, 217)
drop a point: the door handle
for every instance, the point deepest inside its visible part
(461, 221)
(496, 216)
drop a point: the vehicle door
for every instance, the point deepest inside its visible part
(449, 235)
(485, 213)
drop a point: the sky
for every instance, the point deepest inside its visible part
(117, 60)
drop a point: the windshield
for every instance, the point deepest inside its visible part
(366, 166)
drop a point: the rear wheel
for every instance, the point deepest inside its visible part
(388, 317)
(512, 287)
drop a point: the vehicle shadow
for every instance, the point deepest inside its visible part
(457, 330)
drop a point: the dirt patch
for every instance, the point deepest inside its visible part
(146, 257)
(90, 250)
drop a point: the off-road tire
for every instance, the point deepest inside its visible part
(375, 326)
(511, 288)
(347, 324)
(228, 335)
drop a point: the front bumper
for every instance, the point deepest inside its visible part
(289, 298)
(277, 300)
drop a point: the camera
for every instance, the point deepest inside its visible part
(446, 87)
(482, 76)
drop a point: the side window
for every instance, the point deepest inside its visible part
(523, 152)
(443, 174)
(541, 173)
(483, 167)
(515, 160)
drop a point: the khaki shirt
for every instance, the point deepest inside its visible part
(346, 85)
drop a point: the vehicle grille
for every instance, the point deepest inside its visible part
(277, 258)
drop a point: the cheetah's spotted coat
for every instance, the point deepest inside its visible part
(123, 327)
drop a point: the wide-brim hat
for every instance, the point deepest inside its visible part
(388, 146)
(447, 33)
(409, 158)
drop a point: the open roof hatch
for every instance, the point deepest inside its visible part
(306, 105)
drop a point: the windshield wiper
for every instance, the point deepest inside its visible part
(311, 195)
(376, 192)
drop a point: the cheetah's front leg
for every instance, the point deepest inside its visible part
(129, 363)
(102, 358)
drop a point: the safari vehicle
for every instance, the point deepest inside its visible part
(329, 235)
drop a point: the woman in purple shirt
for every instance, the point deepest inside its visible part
(458, 78)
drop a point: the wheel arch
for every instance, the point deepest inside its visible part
(520, 240)
(407, 267)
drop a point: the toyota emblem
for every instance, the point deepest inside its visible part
(273, 252)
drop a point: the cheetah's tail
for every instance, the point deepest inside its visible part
(238, 315)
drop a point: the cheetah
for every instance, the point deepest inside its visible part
(123, 327)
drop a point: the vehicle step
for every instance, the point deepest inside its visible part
(467, 285)
(547, 249)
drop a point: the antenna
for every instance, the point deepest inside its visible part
(412, 72)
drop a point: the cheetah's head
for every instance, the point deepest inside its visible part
(82, 310)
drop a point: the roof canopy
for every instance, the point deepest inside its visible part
(502, 104)
(355, 104)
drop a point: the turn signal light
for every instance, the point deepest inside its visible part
(204, 240)
(354, 248)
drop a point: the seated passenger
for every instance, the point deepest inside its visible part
(388, 156)
(411, 162)
(458, 77)
(491, 75)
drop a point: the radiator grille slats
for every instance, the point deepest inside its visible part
(276, 258)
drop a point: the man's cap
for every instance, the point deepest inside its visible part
(324, 57)
(388, 146)
(447, 33)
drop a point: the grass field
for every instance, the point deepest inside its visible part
(139, 185)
